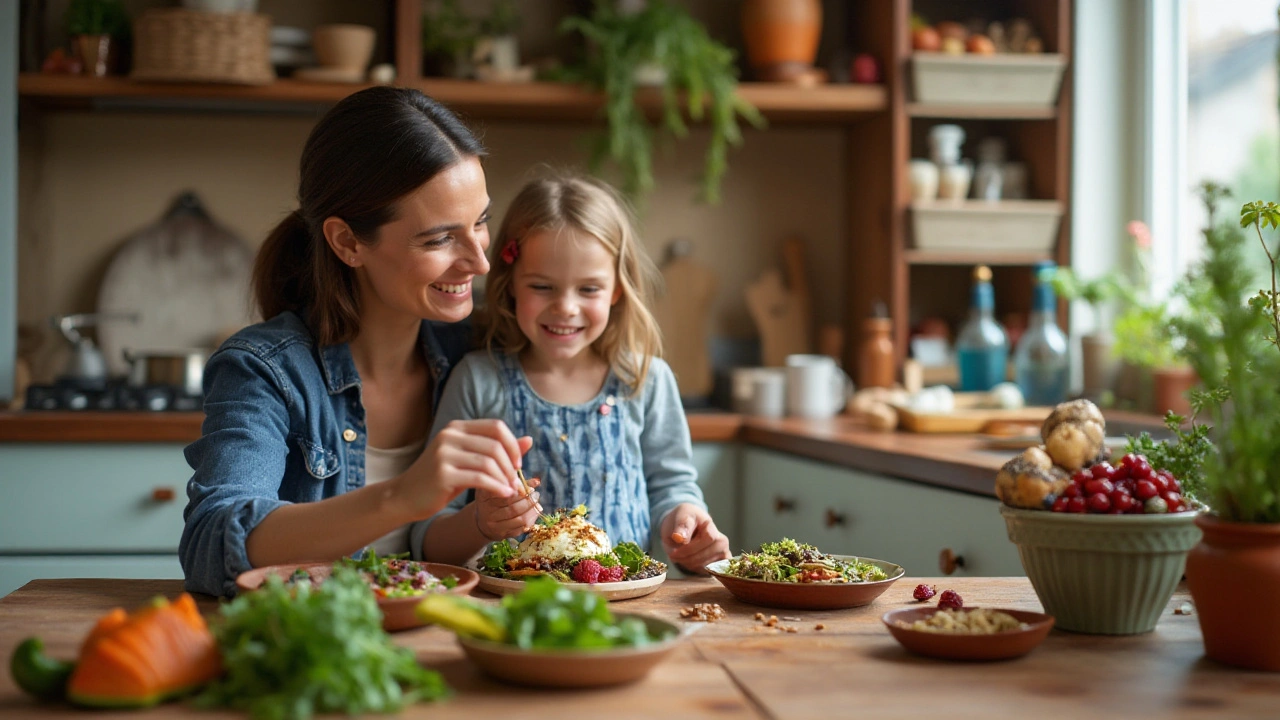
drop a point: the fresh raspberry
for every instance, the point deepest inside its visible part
(612, 574)
(950, 599)
(587, 571)
(922, 593)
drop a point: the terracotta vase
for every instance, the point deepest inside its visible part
(1099, 365)
(1232, 574)
(95, 54)
(1169, 389)
(781, 37)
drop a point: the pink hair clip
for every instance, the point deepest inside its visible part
(510, 252)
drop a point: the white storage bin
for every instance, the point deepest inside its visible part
(1007, 226)
(1005, 79)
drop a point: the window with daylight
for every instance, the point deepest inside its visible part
(1232, 112)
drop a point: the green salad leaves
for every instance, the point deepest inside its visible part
(291, 651)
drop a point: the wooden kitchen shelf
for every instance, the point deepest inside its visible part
(982, 112)
(516, 101)
(935, 257)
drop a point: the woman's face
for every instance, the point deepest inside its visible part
(425, 259)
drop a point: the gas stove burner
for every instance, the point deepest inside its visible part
(70, 396)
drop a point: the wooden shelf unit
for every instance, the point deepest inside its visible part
(883, 263)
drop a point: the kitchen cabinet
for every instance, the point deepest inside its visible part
(90, 510)
(851, 512)
(719, 478)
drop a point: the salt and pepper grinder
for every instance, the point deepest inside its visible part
(875, 353)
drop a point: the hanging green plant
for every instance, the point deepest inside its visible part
(697, 75)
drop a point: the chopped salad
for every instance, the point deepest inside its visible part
(794, 562)
(390, 576)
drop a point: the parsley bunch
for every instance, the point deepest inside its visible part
(291, 651)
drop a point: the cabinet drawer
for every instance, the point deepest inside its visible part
(92, 497)
(16, 571)
(849, 512)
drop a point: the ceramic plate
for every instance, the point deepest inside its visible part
(997, 646)
(397, 613)
(624, 590)
(562, 668)
(807, 596)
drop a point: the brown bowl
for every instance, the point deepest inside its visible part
(397, 613)
(807, 596)
(565, 668)
(996, 646)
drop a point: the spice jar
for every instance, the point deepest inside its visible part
(876, 367)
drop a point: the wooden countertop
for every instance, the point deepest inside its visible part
(733, 669)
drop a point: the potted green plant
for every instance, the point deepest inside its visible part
(1234, 347)
(498, 46)
(693, 72)
(449, 37)
(1098, 360)
(92, 25)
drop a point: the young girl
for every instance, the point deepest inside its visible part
(572, 361)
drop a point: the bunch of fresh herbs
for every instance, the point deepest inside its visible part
(291, 651)
(663, 36)
(1234, 347)
(547, 614)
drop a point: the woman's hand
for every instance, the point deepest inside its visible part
(498, 518)
(480, 454)
(691, 539)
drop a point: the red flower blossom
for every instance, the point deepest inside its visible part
(510, 252)
(1141, 234)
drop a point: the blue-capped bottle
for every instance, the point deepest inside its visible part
(982, 349)
(1040, 360)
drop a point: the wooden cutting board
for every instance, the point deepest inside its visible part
(782, 313)
(966, 420)
(684, 315)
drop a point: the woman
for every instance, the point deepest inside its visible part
(315, 420)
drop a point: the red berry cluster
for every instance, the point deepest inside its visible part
(1131, 488)
(590, 571)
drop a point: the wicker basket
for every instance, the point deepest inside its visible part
(176, 45)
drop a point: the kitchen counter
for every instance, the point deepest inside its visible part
(736, 669)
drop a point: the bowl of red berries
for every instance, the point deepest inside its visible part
(1104, 545)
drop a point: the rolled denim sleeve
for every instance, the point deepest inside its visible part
(239, 463)
(666, 447)
(474, 391)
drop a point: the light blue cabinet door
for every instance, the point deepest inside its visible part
(851, 512)
(17, 571)
(92, 497)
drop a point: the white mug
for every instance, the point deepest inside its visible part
(816, 386)
(768, 393)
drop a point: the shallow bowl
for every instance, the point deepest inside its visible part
(807, 596)
(957, 646)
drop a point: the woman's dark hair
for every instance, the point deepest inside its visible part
(369, 151)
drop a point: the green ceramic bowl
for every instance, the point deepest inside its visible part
(1103, 574)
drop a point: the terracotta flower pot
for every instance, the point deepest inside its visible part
(781, 36)
(1169, 389)
(1233, 575)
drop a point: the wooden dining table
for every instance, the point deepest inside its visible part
(837, 663)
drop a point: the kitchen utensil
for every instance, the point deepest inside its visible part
(782, 313)
(573, 668)
(966, 421)
(397, 613)
(768, 395)
(968, 646)
(179, 368)
(684, 315)
(86, 368)
(816, 386)
(187, 279)
(621, 590)
(807, 596)
(528, 490)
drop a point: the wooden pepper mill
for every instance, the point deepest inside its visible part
(875, 353)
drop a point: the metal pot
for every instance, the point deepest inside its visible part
(178, 368)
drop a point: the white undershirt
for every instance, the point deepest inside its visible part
(381, 465)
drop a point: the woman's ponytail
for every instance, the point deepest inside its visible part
(282, 273)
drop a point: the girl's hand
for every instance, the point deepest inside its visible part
(498, 518)
(480, 454)
(691, 539)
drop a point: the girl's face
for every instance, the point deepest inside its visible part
(564, 285)
(425, 259)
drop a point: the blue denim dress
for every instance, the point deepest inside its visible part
(627, 457)
(283, 424)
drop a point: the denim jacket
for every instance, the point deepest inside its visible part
(284, 423)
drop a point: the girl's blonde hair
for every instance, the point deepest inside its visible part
(594, 209)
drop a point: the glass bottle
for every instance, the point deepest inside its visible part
(1040, 360)
(982, 350)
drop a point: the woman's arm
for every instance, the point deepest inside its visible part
(459, 531)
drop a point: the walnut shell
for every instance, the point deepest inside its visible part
(1027, 479)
